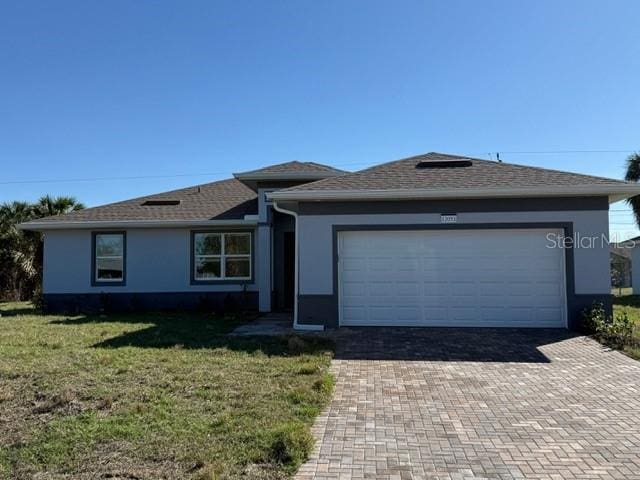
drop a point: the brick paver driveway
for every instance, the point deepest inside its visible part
(474, 403)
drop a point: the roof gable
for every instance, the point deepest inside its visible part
(290, 169)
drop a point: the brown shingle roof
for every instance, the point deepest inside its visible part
(293, 167)
(232, 199)
(223, 200)
(403, 174)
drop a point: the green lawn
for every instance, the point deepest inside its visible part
(630, 304)
(153, 396)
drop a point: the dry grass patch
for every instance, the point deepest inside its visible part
(154, 396)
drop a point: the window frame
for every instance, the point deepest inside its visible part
(223, 256)
(95, 281)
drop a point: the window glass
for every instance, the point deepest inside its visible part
(208, 268)
(109, 268)
(237, 244)
(208, 243)
(109, 261)
(109, 244)
(237, 267)
(219, 256)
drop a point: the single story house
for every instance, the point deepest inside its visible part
(431, 240)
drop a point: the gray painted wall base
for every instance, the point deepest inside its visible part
(141, 302)
(318, 310)
(323, 309)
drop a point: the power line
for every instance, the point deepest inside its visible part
(132, 177)
(185, 175)
(544, 152)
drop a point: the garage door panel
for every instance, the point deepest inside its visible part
(352, 288)
(381, 313)
(354, 264)
(435, 314)
(407, 289)
(553, 290)
(518, 289)
(433, 288)
(451, 278)
(380, 289)
(547, 314)
(492, 289)
(492, 312)
(355, 313)
(409, 314)
(462, 313)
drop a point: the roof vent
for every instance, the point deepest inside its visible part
(444, 164)
(155, 203)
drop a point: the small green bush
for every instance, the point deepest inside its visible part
(613, 329)
(38, 299)
(290, 445)
(296, 345)
(324, 384)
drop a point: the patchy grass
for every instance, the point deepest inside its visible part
(630, 305)
(153, 396)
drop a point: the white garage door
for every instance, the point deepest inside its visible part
(466, 278)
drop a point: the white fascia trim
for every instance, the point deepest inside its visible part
(84, 225)
(614, 192)
(285, 176)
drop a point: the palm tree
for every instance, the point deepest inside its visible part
(21, 251)
(17, 250)
(48, 206)
(633, 175)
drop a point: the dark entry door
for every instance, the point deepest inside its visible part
(289, 268)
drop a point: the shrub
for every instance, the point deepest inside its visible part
(594, 317)
(290, 445)
(324, 384)
(613, 329)
(296, 345)
(38, 299)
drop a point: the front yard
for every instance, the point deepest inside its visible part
(630, 305)
(153, 396)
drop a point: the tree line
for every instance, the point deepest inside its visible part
(21, 251)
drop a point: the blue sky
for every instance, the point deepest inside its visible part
(124, 89)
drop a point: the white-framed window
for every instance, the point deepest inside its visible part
(221, 256)
(109, 251)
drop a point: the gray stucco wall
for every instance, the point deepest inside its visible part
(158, 260)
(317, 298)
(635, 268)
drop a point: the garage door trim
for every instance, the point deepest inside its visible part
(566, 227)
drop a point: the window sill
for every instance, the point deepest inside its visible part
(101, 283)
(227, 281)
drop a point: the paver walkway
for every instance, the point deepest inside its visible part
(478, 403)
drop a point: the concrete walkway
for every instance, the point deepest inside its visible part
(274, 324)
